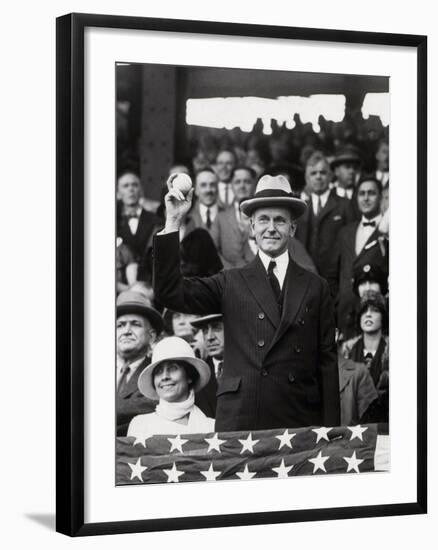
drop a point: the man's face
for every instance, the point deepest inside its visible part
(243, 185)
(272, 228)
(206, 188)
(346, 174)
(171, 381)
(181, 324)
(134, 334)
(318, 177)
(368, 285)
(129, 190)
(371, 320)
(214, 339)
(225, 164)
(368, 199)
(382, 157)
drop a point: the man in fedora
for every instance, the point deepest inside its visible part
(346, 168)
(212, 328)
(280, 366)
(138, 325)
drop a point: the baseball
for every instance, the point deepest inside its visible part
(183, 183)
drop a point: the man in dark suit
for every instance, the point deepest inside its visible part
(346, 166)
(360, 243)
(319, 227)
(138, 325)
(280, 367)
(135, 225)
(204, 212)
(212, 328)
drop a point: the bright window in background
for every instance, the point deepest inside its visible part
(243, 112)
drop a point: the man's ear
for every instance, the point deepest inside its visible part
(153, 334)
(251, 225)
(293, 228)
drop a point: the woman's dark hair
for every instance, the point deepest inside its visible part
(377, 301)
(199, 256)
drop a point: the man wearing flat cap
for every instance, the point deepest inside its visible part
(212, 328)
(138, 325)
(280, 367)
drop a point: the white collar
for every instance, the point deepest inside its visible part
(282, 260)
(203, 209)
(324, 197)
(121, 363)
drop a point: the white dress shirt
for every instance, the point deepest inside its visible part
(133, 222)
(132, 368)
(280, 269)
(343, 192)
(225, 191)
(324, 199)
(203, 212)
(363, 233)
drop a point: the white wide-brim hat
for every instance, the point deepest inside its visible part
(274, 191)
(175, 349)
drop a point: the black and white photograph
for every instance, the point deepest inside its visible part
(252, 274)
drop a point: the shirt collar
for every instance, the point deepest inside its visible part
(282, 261)
(133, 366)
(377, 219)
(203, 209)
(324, 196)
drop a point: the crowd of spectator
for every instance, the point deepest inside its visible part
(342, 172)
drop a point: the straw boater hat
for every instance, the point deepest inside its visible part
(175, 349)
(198, 323)
(135, 302)
(274, 191)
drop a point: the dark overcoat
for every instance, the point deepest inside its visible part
(279, 370)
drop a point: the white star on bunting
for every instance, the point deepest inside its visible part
(282, 470)
(357, 431)
(141, 440)
(173, 474)
(285, 439)
(248, 444)
(318, 462)
(210, 474)
(353, 462)
(176, 443)
(137, 469)
(246, 474)
(214, 443)
(321, 433)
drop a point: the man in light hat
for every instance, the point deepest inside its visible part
(280, 366)
(138, 325)
(212, 328)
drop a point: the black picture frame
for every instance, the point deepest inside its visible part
(70, 272)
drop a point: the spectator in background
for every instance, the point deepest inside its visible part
(231, 229)
(135, 225)
(319, 227)
(212, 329)
(382, 162)
(138, 326)
(226, 161)
(359, 244)
(346, 168)
(180, 324)
(204, 211)
(126, 267)
(371, 347)
(199, 257)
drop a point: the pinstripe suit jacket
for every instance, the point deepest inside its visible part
(279, 371)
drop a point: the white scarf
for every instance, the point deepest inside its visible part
(177, 410)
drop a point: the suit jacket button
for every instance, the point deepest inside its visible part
(264, 372)
(297, 349)
(291, 377)
(261, 315)
(261, 343)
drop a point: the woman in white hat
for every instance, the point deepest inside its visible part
(173, 377)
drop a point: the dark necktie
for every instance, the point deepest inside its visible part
(123, 379)
(274, 281)
(318, 206)
(368, 358)
(369, 224)
(208, 222)
(220, 368)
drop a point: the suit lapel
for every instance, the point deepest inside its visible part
(132, 386)
(329, 206)
(256, 278)
(371, 239)
(351, 240)
(296, 287)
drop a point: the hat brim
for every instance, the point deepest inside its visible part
(342, 160)
(296, 206)
(146, 383)
(151, 314)
(207, 319)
